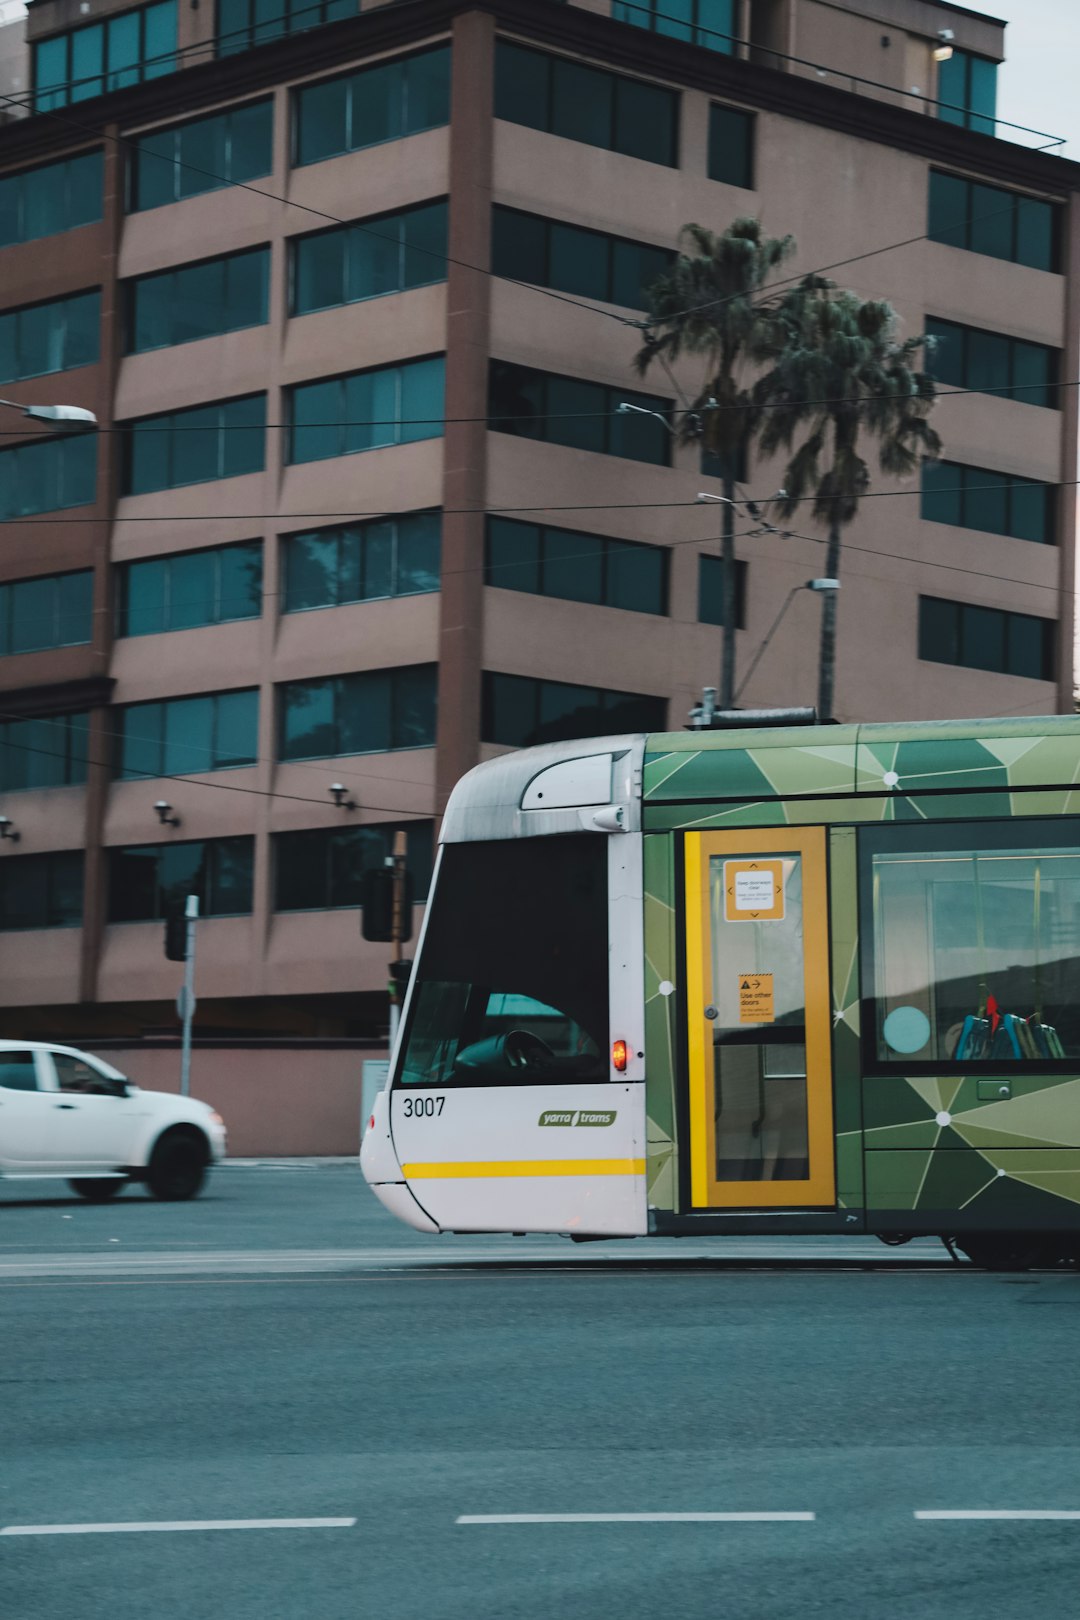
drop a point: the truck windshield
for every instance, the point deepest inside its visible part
(512, 980)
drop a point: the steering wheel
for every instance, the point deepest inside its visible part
(524, 1050)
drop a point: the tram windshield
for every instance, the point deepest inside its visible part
(511, 984)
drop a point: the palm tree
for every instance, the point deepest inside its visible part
(839, 366)
(709, 304)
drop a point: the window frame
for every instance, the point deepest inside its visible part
(1009, 482)
(709, 559)
(538, 683)
(165, 421)
(398, 368)
(130, 289)
(1019, 832)
(49, 861)
(606, 545)
(1049, 633)
(359, 226)
(238, 841)
(298, 92)
(16, 314)
(177, 163)
(654, 12)
(609, 416)
(23, 179)
(122, 712)
(75, 763)
(1016, 200)
(549, 224)
(9, 587)
(965, 331)
(551, 58)
(123, 571)
(43, 101)
(338, 685)
(340, 533)
(283, 843)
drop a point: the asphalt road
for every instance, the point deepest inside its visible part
(281, 1352)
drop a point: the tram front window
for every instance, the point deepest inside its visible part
(512, 979)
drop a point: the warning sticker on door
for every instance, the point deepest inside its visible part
(756, 998)
(753, 891)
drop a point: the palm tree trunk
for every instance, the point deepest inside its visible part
(727, 659)
(827, 656)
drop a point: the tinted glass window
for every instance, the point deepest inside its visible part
(986, 638)
(45, 752)
(589, 264)
(711, 592)
(322, 869)
(389, 253)
(570, 411)
(41, 891)
(244, 23)
(393, 557)
(57, 336)
(225, 149)
(498, 998)
(579, 567)
(56, 197)
(971, 953)
(352, 714)
(519, 712)
(584, 103)
(367, 409)
(967, 91)
(377, 104)
(186, 736)
(991, 362)
(198, 300)
(133, 46)
(148, 882)
(53, 611)
(193, 446)
(709, 23)
(18, 1071)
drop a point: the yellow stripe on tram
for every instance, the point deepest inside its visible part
(524, 1167)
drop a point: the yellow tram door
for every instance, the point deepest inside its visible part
(757, 960)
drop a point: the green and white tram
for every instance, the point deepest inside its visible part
(786, 980)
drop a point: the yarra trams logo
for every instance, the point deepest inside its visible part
(577, 1116)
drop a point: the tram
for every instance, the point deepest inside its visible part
(796, 979)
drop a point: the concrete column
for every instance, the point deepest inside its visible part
(465, 440)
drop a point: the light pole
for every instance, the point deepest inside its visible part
(72, 417)
(824, 586)
(728, 693)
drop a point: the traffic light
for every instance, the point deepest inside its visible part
(399, 976)
(377, 902)
(176, 937)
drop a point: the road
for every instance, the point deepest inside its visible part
(472, 1429)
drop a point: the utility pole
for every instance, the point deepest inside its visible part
(187, 994)
(729, 588)
(398, 930)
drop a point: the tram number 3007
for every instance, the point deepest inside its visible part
(423, 1107)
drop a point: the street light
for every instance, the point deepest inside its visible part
(823, 586)
(74, 417)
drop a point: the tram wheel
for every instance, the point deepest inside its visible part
(1009, 1251)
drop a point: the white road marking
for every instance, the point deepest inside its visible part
(998, 1513)
(169, 1525)
(631, 1518)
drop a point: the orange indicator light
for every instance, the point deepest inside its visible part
(618, 1055)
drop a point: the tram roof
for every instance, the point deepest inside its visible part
(501, 798)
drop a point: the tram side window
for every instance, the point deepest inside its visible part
(512, 980)
(973, 954)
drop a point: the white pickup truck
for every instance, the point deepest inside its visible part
(67, 1116)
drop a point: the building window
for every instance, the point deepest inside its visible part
(53, 610)
(387, 254)
(46, 475)
(381, 103)
(980, 498)
(198, 300)
(244, 23)
(971, 945)
(41, 891)
(731, 146)
(194, 446)
(186, 736)
(570, 411)
(711, 592)
(590, 264)
(226, 149)
(149, 883)
(577, 567)
(57, 336)
(991, 363)
(322, 870)
(44, 753)
(967, 91)
(986, 638)
(360, 562)
(190, 589)
(710, 23)
(518, 711)
(56, 197)
(582, 103)
(367, 410)
(986, 219)
(123, 49)
(372, 713)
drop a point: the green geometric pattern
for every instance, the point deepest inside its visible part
(902, 1144)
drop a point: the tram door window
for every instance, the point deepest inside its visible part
(758, 1020)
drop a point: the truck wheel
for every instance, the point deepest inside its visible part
(99, 1189)
(177, 1167)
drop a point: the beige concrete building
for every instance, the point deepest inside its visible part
(353, 298)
